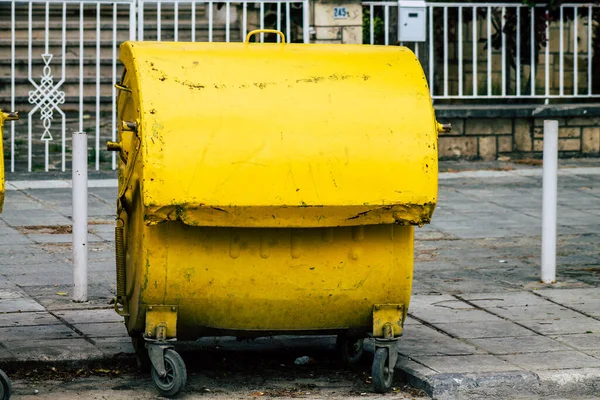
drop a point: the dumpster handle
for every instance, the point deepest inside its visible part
(254, 32)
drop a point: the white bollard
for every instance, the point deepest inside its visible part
(549, 202)
(80, 216)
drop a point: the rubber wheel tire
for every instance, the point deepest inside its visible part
(349, 351)
(141, 353)
(176, 377)
(5, 386)
(381, 374)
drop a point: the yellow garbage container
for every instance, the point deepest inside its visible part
(11, 116)
(270, 189)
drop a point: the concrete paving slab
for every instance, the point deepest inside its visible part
(11, 293)
(571, 297)
(114, 346)
(477, 330)
(27, 319)
(421, 340)
(466, 364)
(103, 329)
(503, 299)
(582, 342)
(544, 313)
(61, 238)
(44, 217)
(445, 301)
(9, 237)
(436, 315)
(555, 360)
(48, 277)
(19, 305)
(99, 296)
(35, 332)
(409, 369)
(519, 344)
(89, 316)
(580, 324)
(71, 349)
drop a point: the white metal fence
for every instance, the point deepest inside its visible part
(63, 62)
(63, 57)
(500, 50)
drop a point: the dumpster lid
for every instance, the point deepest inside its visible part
(268, 135)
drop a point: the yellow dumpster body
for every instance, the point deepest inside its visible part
(11, 116)
(270, 189)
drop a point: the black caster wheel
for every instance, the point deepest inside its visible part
(141, 353)
(174, 381)
(381, 373)
(349, 351)
(5, 386)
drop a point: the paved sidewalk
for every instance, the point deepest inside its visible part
(481, 325)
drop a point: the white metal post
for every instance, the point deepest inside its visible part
(80, 216)
(549, 201)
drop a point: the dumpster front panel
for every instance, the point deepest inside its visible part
(242, 135)
(275, 280)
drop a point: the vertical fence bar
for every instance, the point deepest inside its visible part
(278, 21)
(210, 21)
(176, 22)
(502, 24)
(30, 77)
(62, 80)
(386, 28)
(549, 201)
(113, 89)
(474, 43)
(262, 20)
(518, 64)
(80, 214)
(245, 20)
(532, 66)
(12, 84)
(98, 86)
(547, 56)
(288, 27)
(132, 19)
(589, 41)
(158, 21)
(305, 23)
(561, 53)
(371, 23)
(47, 51)
(47, 28)
(445, 51)
(575, 51)
(140, 19)
(431, 52)
(460, 51)
(227, 21)
(489, 51)
(193, 21)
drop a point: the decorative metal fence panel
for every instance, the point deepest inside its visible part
(63, 63)
(500, 50)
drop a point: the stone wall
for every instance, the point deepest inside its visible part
(489, 132)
